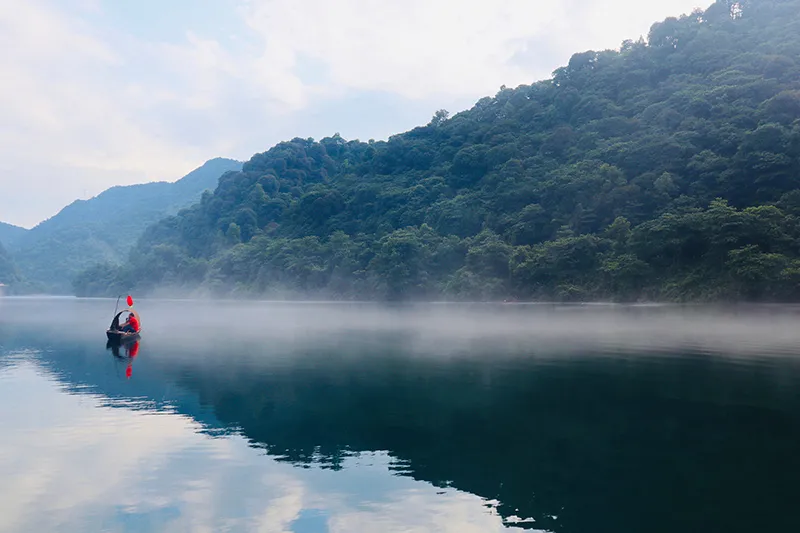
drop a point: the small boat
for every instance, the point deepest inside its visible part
(121, 337)
(115, 335)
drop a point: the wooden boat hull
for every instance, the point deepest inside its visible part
(121, 337)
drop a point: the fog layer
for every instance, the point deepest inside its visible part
(544, 329)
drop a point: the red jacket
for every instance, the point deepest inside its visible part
(134, 323)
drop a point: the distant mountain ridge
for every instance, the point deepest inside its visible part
(104, 228)
(10, 234)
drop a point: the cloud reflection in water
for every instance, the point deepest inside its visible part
(69, 462)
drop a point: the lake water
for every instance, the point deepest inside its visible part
(337, 418)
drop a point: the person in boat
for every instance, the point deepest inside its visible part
(131, 325)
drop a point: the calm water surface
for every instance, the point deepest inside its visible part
(336, 418)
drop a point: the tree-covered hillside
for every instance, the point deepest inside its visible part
(669, 169)
(8, 271)
(105, 228)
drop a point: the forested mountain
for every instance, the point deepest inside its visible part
(666, 170)
(10, 234)
(104, 228)
(8, 271)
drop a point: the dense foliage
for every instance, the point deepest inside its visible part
(105, 228)
(669, 169)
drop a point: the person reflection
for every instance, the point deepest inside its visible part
(131, 351)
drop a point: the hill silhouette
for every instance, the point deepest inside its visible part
(104, 228)
(10, 234)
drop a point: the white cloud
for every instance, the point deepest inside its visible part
(69, 116)
(87, 102)
(414, 48)
(420, 48)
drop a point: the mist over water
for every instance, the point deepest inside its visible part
(360, 417)
(436, 328)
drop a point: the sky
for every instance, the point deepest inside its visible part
(97, 93)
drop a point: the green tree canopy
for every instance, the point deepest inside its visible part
(667, 169)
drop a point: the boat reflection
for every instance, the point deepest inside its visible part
(128, 353)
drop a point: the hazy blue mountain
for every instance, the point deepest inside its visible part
(104, 228)
(8, 271)
(10, 234)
